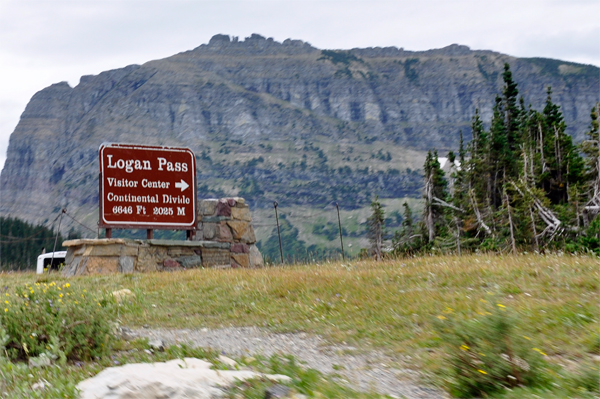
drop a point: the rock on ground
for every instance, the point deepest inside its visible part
(175, 379)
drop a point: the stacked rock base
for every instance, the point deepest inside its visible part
(224, 239)
(228, 220)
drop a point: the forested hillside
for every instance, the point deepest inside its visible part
(519, 185)
(22, 242)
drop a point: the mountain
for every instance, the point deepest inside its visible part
(274, 121)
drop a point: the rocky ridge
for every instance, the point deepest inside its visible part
(273, 121)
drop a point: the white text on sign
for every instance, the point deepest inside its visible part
(129, 165)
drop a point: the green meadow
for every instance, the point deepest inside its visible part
(395, 306)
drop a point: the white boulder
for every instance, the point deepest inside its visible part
(175, 379)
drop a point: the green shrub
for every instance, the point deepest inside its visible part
(56, 320)
(487, 354)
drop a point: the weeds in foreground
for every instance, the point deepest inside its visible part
(48, 321)
(488, 355)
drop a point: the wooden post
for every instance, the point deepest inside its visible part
(149, 234)
(108, 233)
(278, 231)
(340, 225)
(56, 239)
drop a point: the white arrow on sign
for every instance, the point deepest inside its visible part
(182, 185)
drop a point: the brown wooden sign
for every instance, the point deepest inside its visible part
(147, 187)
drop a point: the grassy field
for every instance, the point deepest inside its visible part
(391, 305)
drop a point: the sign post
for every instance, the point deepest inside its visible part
(148, 187)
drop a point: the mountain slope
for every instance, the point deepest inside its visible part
(274, 121)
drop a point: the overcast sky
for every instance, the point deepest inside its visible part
(48, 41)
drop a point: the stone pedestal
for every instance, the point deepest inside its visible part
(110, 255)
(228, 220)
(225, 239)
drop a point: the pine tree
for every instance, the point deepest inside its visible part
(406, 241)
(523, 184)
(511, 118)
(564, 166)
(591, 148)
(499, 155)
(376, 227)
(460, 181)
(435, 194)
(407, 221)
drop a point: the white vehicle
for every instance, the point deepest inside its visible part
(44, 260)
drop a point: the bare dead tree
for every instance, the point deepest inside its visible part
(429, 210)
(592, 208)
(535, 238)
(553, 224)
(510, 223)
(544, 167)
(440, 202)
(480, 221)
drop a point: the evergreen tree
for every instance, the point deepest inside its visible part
(376, 227)
(407, 221)
(406, 241)
(435, 190)
(21, 243)
(511, 118)
(591, 149)
(460, 181)
(524, 184)
(563, 164)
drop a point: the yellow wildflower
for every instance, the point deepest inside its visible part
(481, 371)
(526, 337)
(539, 351)
(441, 317)
(500, 305)
(464, 347)
(6, 309)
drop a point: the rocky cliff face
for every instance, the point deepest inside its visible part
(271, 120)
